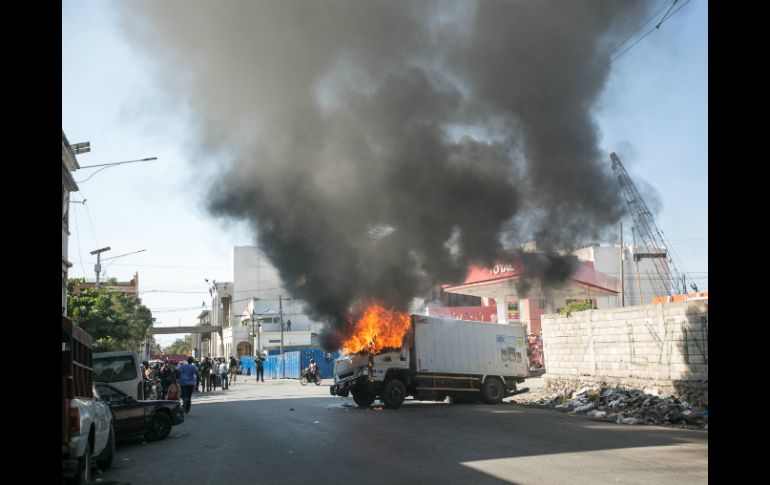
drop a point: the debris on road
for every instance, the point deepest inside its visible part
(624, 406)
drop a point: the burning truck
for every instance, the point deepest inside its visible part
(392, 355)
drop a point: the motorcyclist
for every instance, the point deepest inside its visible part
(312, 369)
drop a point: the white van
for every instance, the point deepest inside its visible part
(122, 370)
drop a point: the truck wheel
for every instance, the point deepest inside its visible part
(393, 394)
(105, 459)
(160, 427)
(492, 392)
(83, 475)
(363, 399)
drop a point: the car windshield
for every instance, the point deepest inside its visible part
(114, 369)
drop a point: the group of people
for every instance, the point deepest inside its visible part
(163, 375)
(176, 380)
(173, 380)
(215, 371)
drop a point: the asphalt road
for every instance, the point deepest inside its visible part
(278, 432)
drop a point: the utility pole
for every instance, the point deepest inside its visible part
(253, 333)
(280, 319)
(253, 343)
(636, 260)
(98, 267)
(622, 282)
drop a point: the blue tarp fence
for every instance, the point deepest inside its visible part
(324, 360)
(294, 362)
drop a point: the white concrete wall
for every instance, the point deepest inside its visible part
(271, 340)
(662, 344)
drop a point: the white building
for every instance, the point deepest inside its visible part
(221, 316)
(257, 291)
(641, 281)
(255, 277)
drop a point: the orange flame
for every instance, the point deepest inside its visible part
(377, 329)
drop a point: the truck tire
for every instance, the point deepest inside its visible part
(83, 475)
(105, 459)
(492, 392)
(393, 394)
(362, 398)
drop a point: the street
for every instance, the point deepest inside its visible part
(279, 432)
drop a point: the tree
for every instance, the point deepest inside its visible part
(576, 306)
(114, 319)
(180, 346)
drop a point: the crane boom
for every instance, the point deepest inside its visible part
(668, 277)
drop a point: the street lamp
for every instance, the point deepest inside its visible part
(98, 261)
(98, 267)
(113, 164)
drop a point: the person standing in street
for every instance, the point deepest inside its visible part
(260, 369)
(206, 375)
(214, 376)
(187, 375)
(233, 370)
(288, 325)
(223, 373)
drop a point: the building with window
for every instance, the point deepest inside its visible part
(519, 299)
(68, 165)
(256, 295)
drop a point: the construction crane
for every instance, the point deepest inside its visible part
(669, 281)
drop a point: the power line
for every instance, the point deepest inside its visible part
(91, 222)
(657, 26)
(77, 236)
(655, 14)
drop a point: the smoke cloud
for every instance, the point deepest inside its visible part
(378, 148)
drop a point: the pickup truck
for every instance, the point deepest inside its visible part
(439, 357)
(88, 433)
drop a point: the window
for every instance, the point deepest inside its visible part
(107, 393)
(114, 369)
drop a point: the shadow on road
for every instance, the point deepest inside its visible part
(327, 440)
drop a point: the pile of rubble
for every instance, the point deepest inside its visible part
(628, 407)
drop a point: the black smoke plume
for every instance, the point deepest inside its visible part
(378, 148)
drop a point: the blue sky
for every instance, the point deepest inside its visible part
(653, 113)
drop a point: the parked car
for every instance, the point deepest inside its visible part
(153, 419)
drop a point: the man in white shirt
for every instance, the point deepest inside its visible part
(223, 372)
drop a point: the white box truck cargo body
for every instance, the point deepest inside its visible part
(462, 347)
(439, 357)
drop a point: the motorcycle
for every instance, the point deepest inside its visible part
(308, 376)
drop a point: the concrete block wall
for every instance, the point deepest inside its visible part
(662, 347)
